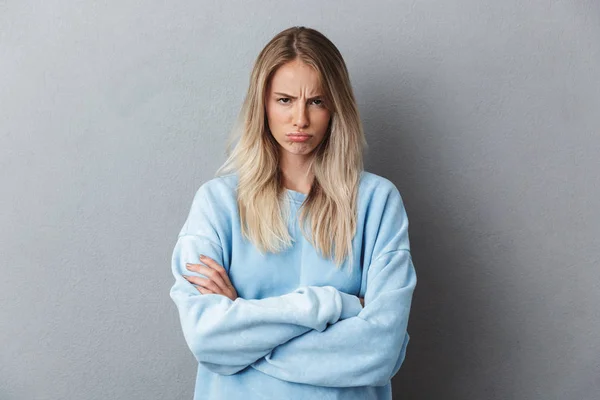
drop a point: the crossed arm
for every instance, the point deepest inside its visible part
(314, 335)
(227, 335)
(365, 350)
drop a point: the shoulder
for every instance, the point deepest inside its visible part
(220, 187)
(379, 200)
(213, 207)
(218, 193)
(383, 214)
(376, 187)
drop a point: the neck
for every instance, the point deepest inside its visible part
(295, 173)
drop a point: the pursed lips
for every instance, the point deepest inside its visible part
(298, 137)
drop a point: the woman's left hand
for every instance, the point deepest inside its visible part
(217, 282)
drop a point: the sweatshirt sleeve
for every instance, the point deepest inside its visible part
(226, 336)
(368, 349)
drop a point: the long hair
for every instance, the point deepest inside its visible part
(337, 162)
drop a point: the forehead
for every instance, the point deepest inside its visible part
(295, 76)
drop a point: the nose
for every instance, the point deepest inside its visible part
(301, 117)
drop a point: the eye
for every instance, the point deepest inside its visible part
(320, 102)
(283, 98)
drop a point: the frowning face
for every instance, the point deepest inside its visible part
(296, 111)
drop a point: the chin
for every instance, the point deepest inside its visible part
(299, 152)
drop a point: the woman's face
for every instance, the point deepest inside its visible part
(295, 105)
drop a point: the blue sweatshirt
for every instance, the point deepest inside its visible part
(297, 329)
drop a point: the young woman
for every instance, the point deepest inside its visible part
(293, 272)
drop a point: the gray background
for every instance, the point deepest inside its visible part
(484, 113)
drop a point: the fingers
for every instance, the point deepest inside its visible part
(201, 289)
(215, 272)
(214, 265)
(217, 280)
(206, 284)
(210, 273)
(204, 290)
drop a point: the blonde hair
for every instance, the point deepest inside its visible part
(337, 164)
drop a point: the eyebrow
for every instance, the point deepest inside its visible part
(292, 97)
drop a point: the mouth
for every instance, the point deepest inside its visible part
(298, 134)
(298, 137)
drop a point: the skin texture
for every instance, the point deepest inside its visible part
(217, 282)
(293, 103)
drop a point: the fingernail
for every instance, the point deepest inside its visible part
(202, 256)
(185, 276)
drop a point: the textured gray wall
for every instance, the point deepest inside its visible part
(484, 113)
